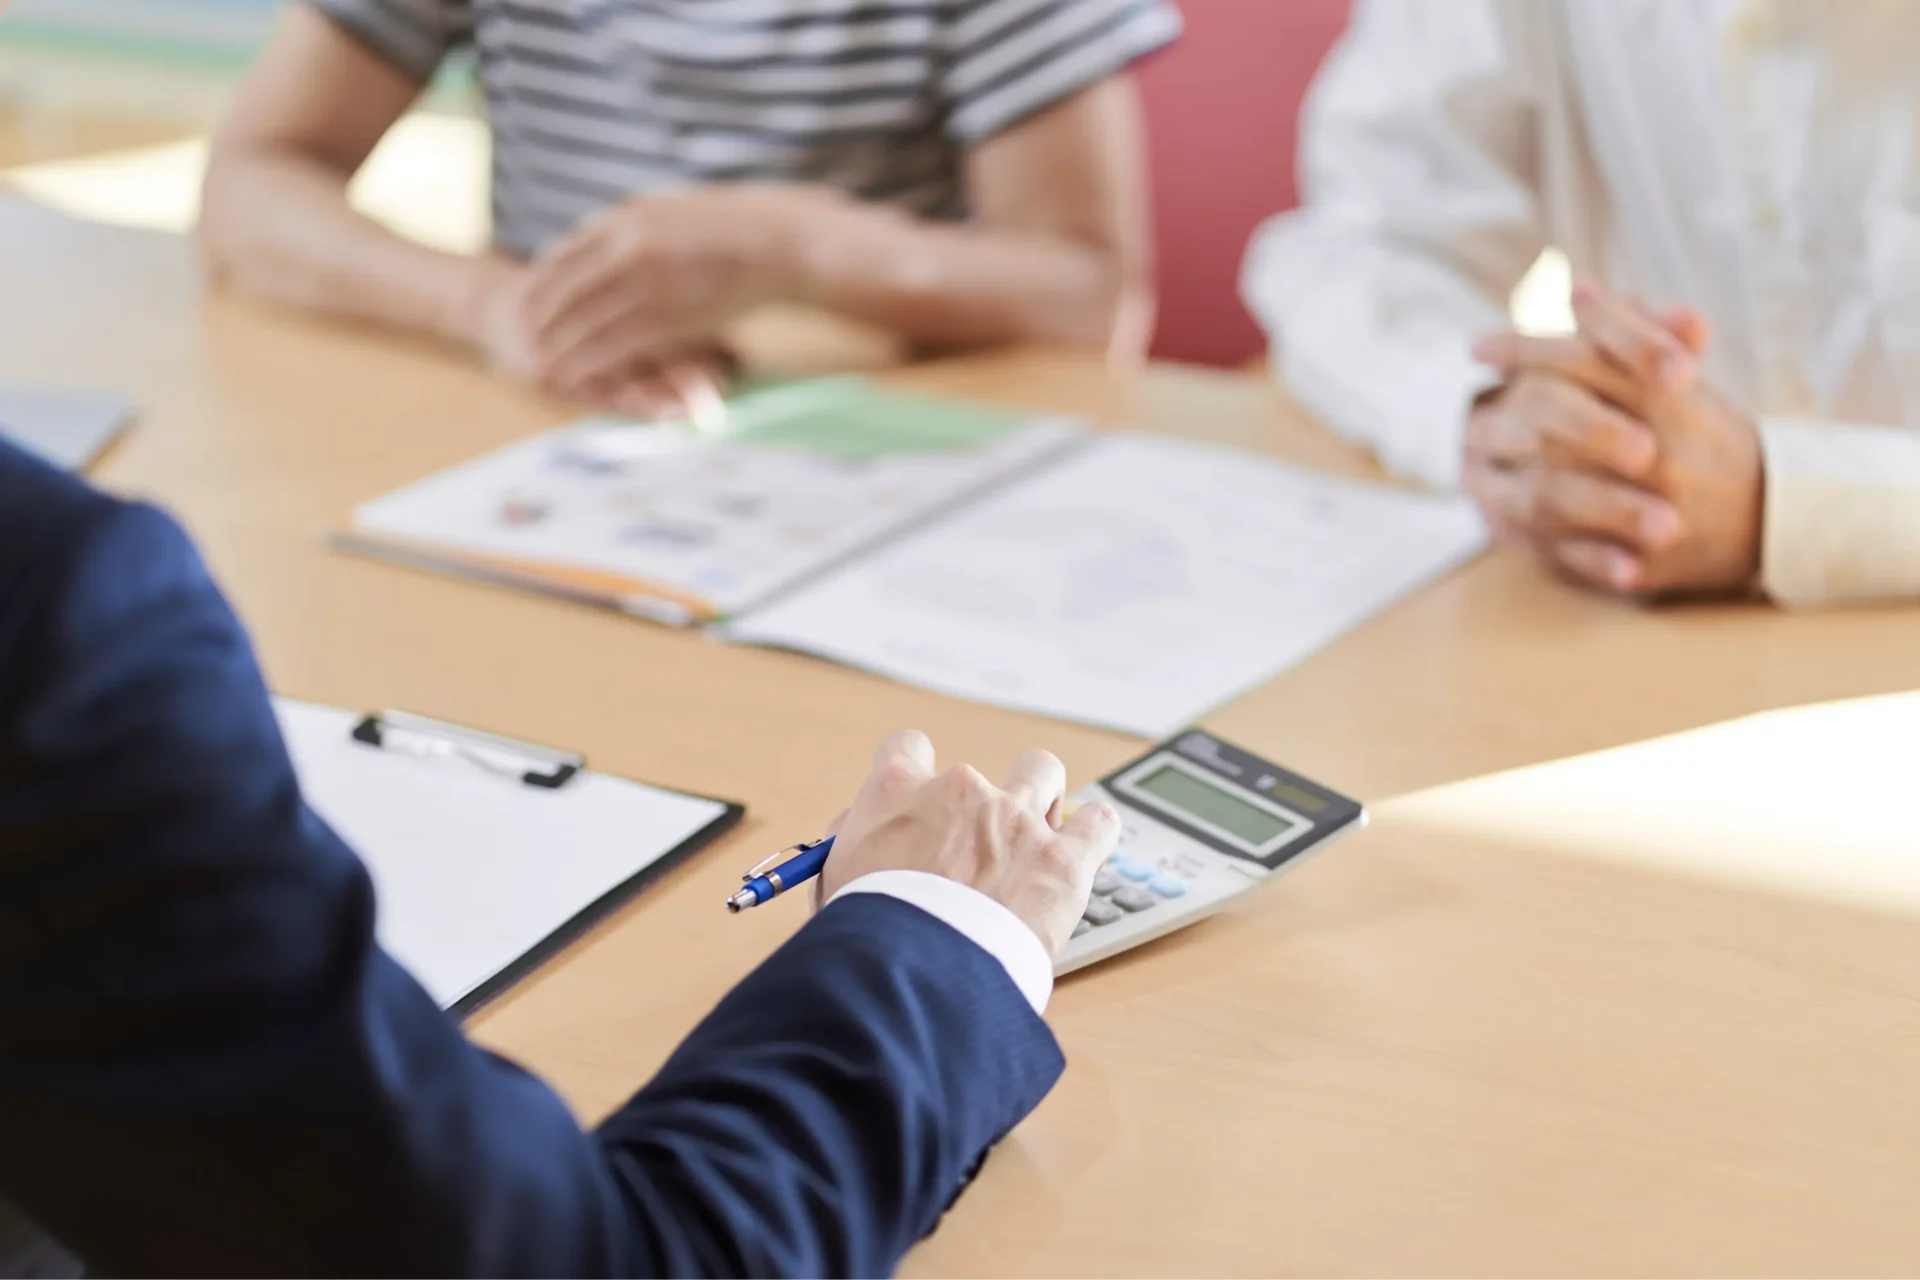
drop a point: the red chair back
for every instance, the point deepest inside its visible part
(1222, 111)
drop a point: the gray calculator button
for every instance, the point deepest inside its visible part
(1105, 882)
(1100, 911)
(1080, 927)
(1134, 898)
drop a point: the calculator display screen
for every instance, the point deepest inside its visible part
(1182, 792)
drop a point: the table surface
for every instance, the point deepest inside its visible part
(1439, 1049)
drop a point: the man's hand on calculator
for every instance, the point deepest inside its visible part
(1009, 842)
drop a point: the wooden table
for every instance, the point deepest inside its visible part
(1428, 1052)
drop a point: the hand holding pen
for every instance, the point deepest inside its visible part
(1008, 842)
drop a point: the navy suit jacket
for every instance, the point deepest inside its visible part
(208, 1066)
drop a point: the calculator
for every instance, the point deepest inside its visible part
(1203, 822)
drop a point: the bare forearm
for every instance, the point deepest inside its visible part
(278, 225)
(958, 285)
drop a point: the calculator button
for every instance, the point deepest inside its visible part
(1133, 898)
(1080, 927)
(1135, 870)
(1100, 911)
(1168, 886)
(1105, 882)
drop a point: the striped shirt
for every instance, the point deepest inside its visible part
(591, 101)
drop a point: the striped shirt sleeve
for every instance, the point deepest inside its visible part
(1008, 59)
(414, 35)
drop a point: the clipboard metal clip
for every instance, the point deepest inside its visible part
(404, 733)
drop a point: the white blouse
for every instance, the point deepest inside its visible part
(1758, 160)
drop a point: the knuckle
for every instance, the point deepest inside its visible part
(1054, 860)
(1014, 823)
(1539, 495)
(1560, 399)
(966, 781)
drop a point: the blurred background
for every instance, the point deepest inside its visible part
(105, 106)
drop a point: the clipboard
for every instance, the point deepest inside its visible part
(489, 855)
(71, 430)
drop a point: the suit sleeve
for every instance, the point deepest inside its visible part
(1420, 213)
(207, 1065)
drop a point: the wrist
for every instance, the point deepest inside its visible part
(805, 254)
(981, 918)
(469, 304)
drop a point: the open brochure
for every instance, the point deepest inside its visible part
(688, 527)
(1119, 579)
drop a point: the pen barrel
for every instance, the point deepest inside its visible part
(796, 870)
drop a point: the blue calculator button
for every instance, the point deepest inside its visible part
(1114, 857)
(1168, 886)
(1135, 870)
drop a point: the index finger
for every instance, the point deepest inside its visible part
(1091, 835)
(1574, 359)
(1579, 428)
(1038, 781)
(1638, 343)
(903, 760)
(572, 269)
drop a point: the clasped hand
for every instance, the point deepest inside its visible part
(1608, 455)
(625, 312)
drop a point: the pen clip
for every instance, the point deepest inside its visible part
(773, 860)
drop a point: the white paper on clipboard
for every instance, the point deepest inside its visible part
(474, 871)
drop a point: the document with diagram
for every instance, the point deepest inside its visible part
(1116, 579)
(1133, 584)
(687, 526)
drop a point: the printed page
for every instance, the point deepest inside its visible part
(801, 477)
(1134, 584)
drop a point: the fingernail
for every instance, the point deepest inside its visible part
(1622, 572)
(1661, 524)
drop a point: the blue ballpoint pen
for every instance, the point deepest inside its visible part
(766, 882)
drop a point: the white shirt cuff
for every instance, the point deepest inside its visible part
(1842, 512)
(996, 930)
(1414, 421)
